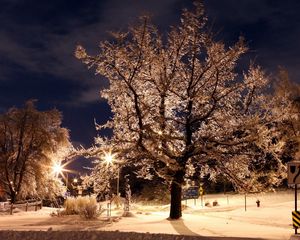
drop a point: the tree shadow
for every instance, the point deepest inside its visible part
(181, 228)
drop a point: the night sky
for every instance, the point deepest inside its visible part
(38, 38)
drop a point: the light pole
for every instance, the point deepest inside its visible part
(75, 187)
(58, 169)
(67, 180)
(118, 181)
(75, 181)
(109, 159)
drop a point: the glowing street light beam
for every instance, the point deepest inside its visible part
(57, 168)
(109, 158)
(60, 169)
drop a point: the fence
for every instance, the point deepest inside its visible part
(26, 205)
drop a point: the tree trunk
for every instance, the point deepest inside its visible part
(13, 197)
(176, 191)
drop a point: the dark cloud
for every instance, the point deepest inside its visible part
(271, 28)
(39, 37)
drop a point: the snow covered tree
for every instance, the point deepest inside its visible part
(178, 101)
(287, 103)
(29, 140)
(100, 178)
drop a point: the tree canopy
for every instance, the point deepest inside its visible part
(178, 102)
(30, 142)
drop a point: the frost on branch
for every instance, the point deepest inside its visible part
(178, 100)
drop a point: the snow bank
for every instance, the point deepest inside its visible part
(100, 235)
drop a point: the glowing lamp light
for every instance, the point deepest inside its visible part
(108, 158)
(57, 168)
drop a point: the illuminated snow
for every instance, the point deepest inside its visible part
(270, 221)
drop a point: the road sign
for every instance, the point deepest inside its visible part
(190, 193)
(296, 219)
(294, 172)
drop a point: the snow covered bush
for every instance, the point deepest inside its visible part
(70, 206)
(86, 207)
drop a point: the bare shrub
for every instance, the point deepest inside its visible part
(87, 207)
(70, 206)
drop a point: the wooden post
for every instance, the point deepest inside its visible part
(108, 209)
(11, 208)
(245, 202)
(26, 207)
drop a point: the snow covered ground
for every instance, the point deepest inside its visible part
(229, 220)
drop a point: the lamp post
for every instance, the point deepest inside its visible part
(109, 159)
(58, 169)
(67, 180)
(75, 187)
(118, 181)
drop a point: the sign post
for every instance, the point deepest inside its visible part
(201, 192)
(190, 193)
(294, 179)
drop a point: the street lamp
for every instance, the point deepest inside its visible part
(75, 187)
(58, 169)
(109, 159)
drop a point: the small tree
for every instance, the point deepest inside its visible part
(28, 141)
(177, 101)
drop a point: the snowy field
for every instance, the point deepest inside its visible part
(229, 220)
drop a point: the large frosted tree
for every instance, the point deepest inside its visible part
(30, 142)
(287, 103)
(177, 101)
